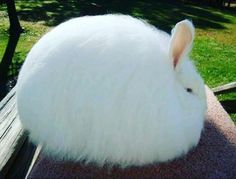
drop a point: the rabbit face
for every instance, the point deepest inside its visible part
(190, 81)
(187, 78)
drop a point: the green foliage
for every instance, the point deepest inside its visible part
(215, 60)
(32, 32)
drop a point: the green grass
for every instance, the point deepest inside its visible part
(214, 51)
(32, 32)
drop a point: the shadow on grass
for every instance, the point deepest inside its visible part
(163, 14)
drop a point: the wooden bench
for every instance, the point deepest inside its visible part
(229, 105)
(18, 155)
(16, 152)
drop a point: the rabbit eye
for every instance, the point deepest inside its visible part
(189, 90)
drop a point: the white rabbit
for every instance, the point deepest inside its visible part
(112, 89)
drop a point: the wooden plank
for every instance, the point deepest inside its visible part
(230, 87)
(7, 120)
(34, 159)
(10, 146)
(12, 135)
(6, 106)
(7, 98)
(22, 162)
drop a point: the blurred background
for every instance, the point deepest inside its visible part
(23, 22)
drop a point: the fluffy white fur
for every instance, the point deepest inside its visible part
(104, 89)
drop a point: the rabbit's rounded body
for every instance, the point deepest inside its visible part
(102, 89)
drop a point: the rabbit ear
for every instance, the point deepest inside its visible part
(181, 41)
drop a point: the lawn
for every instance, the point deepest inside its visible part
(214, 51)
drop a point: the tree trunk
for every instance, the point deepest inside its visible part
(229, 2)
(15, 30)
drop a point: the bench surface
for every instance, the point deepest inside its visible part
(16, 152)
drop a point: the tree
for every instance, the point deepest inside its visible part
(14, 34)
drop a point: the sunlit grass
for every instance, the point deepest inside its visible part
(32, 33)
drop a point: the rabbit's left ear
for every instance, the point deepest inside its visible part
(182, 36)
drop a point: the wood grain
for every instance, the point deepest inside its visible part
(12, 135)
(227, 88)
